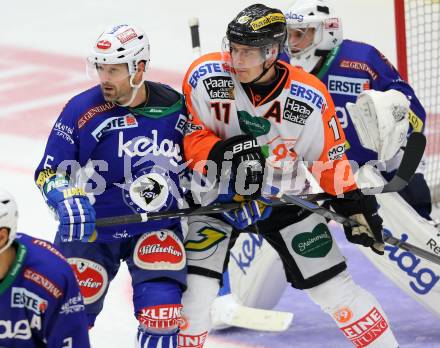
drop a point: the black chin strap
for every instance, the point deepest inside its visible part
(265, 70)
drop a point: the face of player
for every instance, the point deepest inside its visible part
(299, 39)
(4, 236)
(115, 81)
(248, 61)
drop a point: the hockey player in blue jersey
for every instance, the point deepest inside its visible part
(40, 301)
(350, 69)
(115, 149)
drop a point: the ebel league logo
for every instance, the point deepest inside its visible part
(423, 279)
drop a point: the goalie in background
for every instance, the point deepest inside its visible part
(386, 107)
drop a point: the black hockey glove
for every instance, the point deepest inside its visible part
(362, 209)
(247, 167)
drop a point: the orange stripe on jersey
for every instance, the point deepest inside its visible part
(197, 143)
(332, 170)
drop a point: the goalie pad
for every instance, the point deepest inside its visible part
(417, 277)
(381, 121)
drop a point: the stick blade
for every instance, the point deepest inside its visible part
(228, 312)
(259, 319)
(410, 161)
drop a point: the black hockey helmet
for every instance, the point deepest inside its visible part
(258, 25)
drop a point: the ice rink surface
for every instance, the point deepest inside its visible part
(42, 46)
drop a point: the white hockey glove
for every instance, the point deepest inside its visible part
(381, 121)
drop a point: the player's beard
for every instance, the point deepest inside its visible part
(112, 93)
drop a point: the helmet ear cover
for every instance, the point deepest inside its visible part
(8, 217)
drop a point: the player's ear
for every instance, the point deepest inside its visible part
(4, 236)
(140, 70)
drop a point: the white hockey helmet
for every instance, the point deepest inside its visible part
(118, 44)
(8, 216)
(316, 14)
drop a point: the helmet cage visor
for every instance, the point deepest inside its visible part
(107, 72)
(303, 38)
(244, 57)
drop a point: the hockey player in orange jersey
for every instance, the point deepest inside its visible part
(262, 118)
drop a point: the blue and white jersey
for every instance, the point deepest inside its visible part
(353, 67)
(130, 159)
(40, 300)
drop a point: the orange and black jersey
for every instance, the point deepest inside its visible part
(292, 119)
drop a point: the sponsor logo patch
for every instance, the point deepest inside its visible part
(92, 112)
(72, 305)
(202, 70)
(347, 85)
(331, 23)
(44, 176)
(360, 66)
(103, 44)
(422, 279)
(267, 20)
(20, 330)
(296, 111)
(367, 329)
(126, 36)
(144, 146)
(244, 257)
(219, 87)
(186, 127)
(161, 317)
(113, 123)
(23, 298)
(336, 152)
(294, 16)
(64, 132)
(161, 250)
(308, 94)
(49, 247)
(315, 244)
(255, 126)
(343, 315)
(192, 341)
(44, 282)
(92, 278)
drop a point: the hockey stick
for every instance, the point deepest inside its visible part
(195, 37)
(412, 155)
(388, 238)
(228, 311)
(410, 161)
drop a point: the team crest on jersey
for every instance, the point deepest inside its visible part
(219, 87)
(296, 111)
(161, 250)
(92, 278)
(147, 192)
(112, 123)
